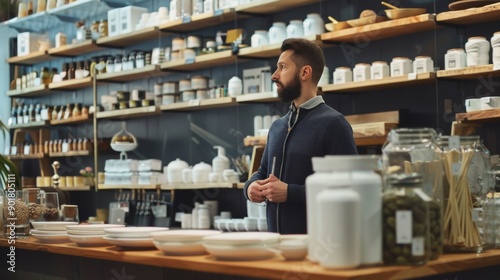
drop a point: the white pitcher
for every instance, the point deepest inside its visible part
(313, 25)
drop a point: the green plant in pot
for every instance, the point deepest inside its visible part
(8, 9)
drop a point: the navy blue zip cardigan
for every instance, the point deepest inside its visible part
(316, 130)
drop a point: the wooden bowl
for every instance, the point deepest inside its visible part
(337, 26)
(404, 12)
(365, 20)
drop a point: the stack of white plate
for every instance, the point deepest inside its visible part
(182, 242)
(89, 235)
(51, 232)
(131, 237)
(242, 245)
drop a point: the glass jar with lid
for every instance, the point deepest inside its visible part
(415, 150)
(466, 182)
(405, 221)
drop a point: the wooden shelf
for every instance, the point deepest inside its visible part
(73, 120)
(129, 113)
(386, 83)
(193, 186)
(84, 47)
(30, 59)
(257, 97)
(72, 84)
(467, 73)
(200, 21)
(41, 90)
(23, 157)
(116, 187)
(70, 154)
(76, 188)
(272, 6)
(250, 141)
(484, 116)
(267, 51)
(488, 13)
(30, 125)
(382, 30)
(202, 61)
(196, 104)
(135, 74)
(132, 38)
(370, 141)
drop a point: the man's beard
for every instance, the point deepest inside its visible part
(291, 91)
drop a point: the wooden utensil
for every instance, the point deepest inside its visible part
(332, 19)
(389, 5)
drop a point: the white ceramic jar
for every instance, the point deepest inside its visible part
(313, 25)
(277, 33)
(478, 51)
(188, 95)
(201, 172)
(259, 38)
(169, 87)
(184, 85)
(325, 77)
(193, 42)
(203, 217)
(342, 75)
(178, 44)
(423, 64)
(379, 70)
(187, 175)
(199, 82)
(174, 171)
(295, 29)
(495, 45)
(401, 66)
(234, 86)
(361, 72)
(455, 59)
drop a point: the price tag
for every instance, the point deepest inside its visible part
(65, 147)
(189, 60)
(186, 19)
(412, 76)
(194, 102)
(27, 150)
(218, 12)
(404, 227)
(454, 142)
(417, 246)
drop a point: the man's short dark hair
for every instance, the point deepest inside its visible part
(306, 52)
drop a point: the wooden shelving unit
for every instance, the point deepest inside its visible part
(23, 157)
(129, 113)
(117, 187)
(483, 14)
(84, 47)
(134, 37)
(193, 186)
(271, 6)
(386, 83)
(196, 104)
(257, 97)
(73, 120)
(467, 73)
(70, 154)
(200, 21)
(41, 90)
(30, 125)
(267, 51)
(148, 71)
(72, 84)
(76, 188)
(483, 116)
(200, 62)
(382, 30)
(30, 59)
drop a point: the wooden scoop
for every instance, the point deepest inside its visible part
(389, 5)
(334, 21)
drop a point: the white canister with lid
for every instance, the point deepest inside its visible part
(202, 94)
(174, 171)
(201, 172)
(167, 99)
(188, 95)
(361, 72)
(379, 70)
(234, 86)
(340, 225)
(259, 38)
(199, 82)
(193, 42)
(295, 29)
(184, 85)
(342, 75)
(401, 66)
(495, 45)
(478, 51)
(204, 217)
(277, 33)
(313, 25)
(169, 87)
(178, 44)
(423, 64)
(187, 175)
(455, 59)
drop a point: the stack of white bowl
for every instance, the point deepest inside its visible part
(182, 242)
(242, 245)
(131, 237)
(51, 232)
(89, 234)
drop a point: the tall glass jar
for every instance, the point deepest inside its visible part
(415, 150)
(466, 184)
(405, 222)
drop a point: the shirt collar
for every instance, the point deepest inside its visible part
(309, 104)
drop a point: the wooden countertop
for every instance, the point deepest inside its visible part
(274, 268)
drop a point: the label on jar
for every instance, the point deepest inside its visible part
(27, 149)
(418, 246)
(404, 227)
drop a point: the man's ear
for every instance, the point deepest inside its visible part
(306, 72)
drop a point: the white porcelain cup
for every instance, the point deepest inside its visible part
(259, 38)
(250, 223)
(214, 177)
(262, 224)
(277, 33)
(295, 29)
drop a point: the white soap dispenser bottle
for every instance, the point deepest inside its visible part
(220, 162)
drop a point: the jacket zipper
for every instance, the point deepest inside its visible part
(282, 161)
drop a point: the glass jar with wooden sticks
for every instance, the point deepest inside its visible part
(414, 150)
(466, 167)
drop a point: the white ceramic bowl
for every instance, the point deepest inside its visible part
(293, 249)
(56, 225)
(190, 235)
(181, 248)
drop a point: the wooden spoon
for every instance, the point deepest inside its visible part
(334, 21)
(389, 5)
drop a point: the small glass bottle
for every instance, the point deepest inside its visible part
(118, 63)
(13, 116)
(110, 65)
(26, 116)
(31, 113)
(95, 27)
(103, 28)
(86, 69)
(71, 71)
(52, 73)
(20, 118)
(102, 65)
(45, 76)
(131, 60)
(60, 113)
(139, 60)
(38, 112)
(405, 222)
(77, 110)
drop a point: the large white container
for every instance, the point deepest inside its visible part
(130, 17)
(114, 26)
(339, 226)
(220, 162)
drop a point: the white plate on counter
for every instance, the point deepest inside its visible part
(242, 238)
(89, 240)
(130, 242)
(85, 232)
(56, 225)
(48, 232)
(133, 232)
(240, 254)
(60, 238)
(189, 235)
(93, 227)
(181, 248)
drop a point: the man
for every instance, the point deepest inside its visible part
(310, 129)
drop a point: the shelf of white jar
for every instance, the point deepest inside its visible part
(116, 187)
(41, 90)
(76, 49)
(199, 21)
(31, 58)
(144, 73)
(257, 97)
(72, 84)
(196, 186)
(268, 51)
(121, 114)
(196, 104)
(471, 72)
(216, 59)
(382, 30)
(385, 83)
(470, 16)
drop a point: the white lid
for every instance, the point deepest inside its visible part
(352, 163)
(177, 164)
(202, 166)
